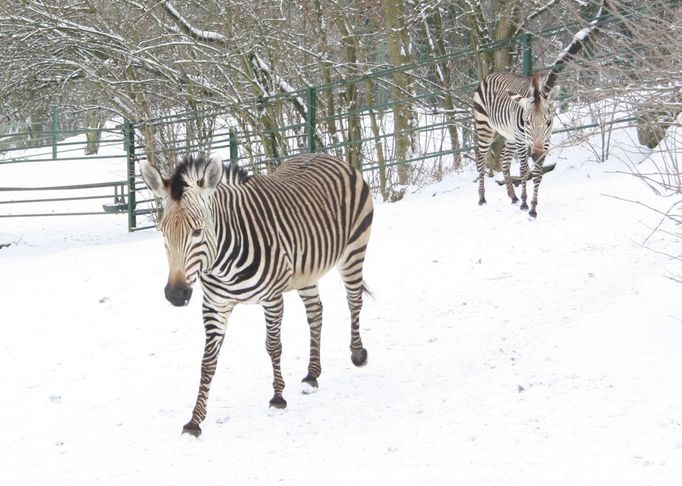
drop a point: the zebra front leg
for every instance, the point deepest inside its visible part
(537, 179)
(522, 154)
(274, 310)
(313, 311)
(215, 323)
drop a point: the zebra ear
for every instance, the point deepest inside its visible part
(153, 178)
(213, 173)
(552, 93)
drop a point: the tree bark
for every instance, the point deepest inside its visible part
(404, 118)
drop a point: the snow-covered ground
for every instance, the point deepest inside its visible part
(502, 351)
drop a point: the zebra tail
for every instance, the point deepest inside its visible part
(366, 290)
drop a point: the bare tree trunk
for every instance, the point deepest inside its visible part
(444, 78)
(329, 104)
(376, 134)
(94, 123)
(404, 118)
(351, 46)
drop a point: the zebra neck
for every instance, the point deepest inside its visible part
(236, 213)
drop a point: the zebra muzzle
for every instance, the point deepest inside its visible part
(178, 295)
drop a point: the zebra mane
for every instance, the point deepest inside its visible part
(188, 172)
(236, 174)
(536, 82)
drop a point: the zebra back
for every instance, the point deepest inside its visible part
(492, 100)
(303, 217)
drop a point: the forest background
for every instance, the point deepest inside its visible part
(99, 61)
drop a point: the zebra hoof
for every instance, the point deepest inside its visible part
(515, 200)
(359, 358)
(481, 201)
(309, 385)
(523, 206)
(278, 402)
(532, 213)
(191, 429)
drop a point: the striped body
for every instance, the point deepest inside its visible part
(518, 109)
(249, 239)
(295, 224)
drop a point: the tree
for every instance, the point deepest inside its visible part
(400, 54)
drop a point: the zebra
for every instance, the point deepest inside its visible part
(520, 110)
(250, 238)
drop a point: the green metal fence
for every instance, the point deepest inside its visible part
(351, 118)
(116, 202)
(361, 131)
(26, 158)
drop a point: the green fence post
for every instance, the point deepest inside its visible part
(53, 132)
(234, 154)
(527, 54)
(129, 132)
(310, 118)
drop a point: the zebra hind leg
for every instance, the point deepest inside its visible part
(481, 187)
(484, 137)
(274, 310)
(313, 311)
(506, 158)
(351, 274)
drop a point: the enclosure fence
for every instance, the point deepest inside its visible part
(398, 125)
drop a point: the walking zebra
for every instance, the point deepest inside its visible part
(249, 239)
(520, 110)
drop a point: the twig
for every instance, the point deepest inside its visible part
(666, 214)
(672, 257)
(6, 245)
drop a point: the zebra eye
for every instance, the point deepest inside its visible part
(197, 232)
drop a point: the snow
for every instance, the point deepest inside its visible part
(285, 87)
(502, 350)
(204, 35)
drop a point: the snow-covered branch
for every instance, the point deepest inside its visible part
(189, 29)
(569, 53)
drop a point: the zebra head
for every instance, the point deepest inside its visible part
(187, 222)
(537, 116)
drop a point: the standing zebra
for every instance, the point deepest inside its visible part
(249, 239)
(520, 110)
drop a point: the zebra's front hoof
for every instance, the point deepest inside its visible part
(308, 385)
(191, 429)
(481, 201)
(533, 213)
(523, 206)
(514, 200)
(278, 402)
(359, 358)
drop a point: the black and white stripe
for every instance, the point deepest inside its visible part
(249, 239)
(520, 110)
